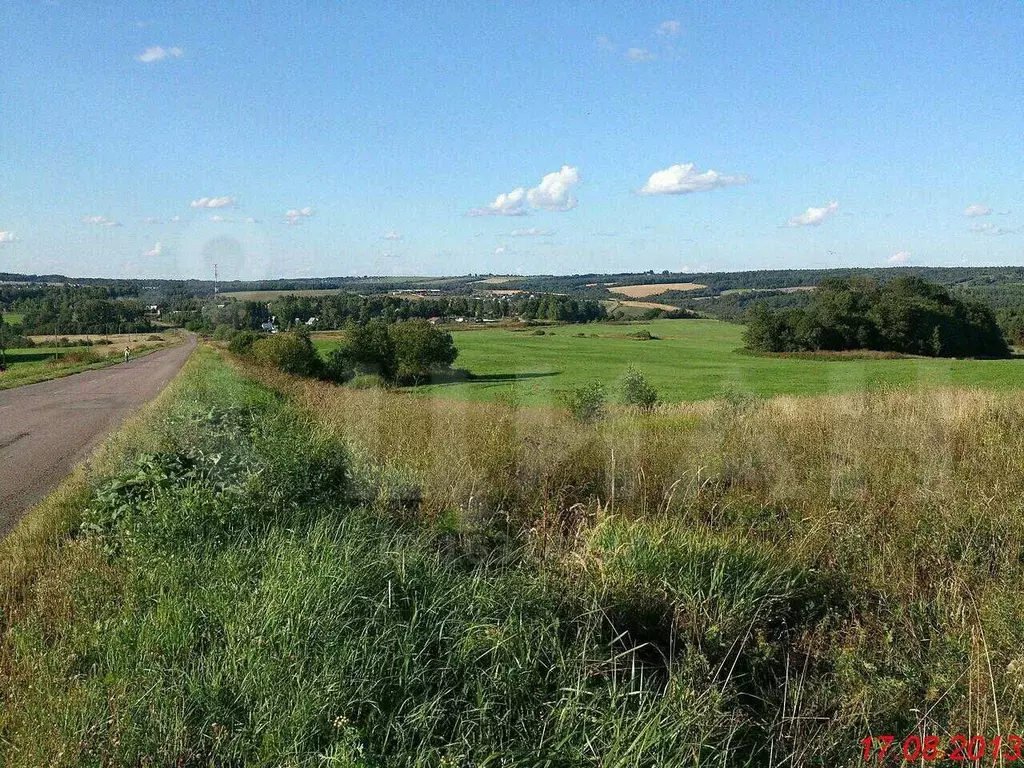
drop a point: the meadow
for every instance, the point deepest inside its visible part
(689, 360)
(281, 571)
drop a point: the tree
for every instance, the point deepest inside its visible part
(366, 348)
(421, 349)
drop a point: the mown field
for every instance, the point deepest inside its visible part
(690, 360)
(267, 571)
(40, 363)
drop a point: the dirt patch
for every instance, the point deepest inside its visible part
(647, 305)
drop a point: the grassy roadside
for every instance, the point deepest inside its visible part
(79, 360)
(331, 576)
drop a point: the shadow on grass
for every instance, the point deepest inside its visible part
(493, 378)
(15, 357)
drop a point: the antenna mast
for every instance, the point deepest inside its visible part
(214, 281)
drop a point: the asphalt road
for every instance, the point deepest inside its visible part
(47, 428)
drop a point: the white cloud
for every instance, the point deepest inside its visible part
(392, 236)
(152, 220)
(636, 55)
(510, 204)
(390, 255)
(552, 194)
(6, 236)
(977, 209)
(158, 52)
(296, 215)
(100, 221)
(531, 232)
(157, 250)
(219, 219)
(812, 217)
(683, 178)
(500, 250)
(606, 45)
(251, 220)
(988, 228)
(213, 202)
(175, 218)
(901, 257)
(668, 28)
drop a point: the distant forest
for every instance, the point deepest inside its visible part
(727, 296)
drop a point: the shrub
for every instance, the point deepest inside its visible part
(223, 332)
(292, 353)
(367, 348)
(636, 390)
(241, 342)
(643, 336)
(586, 402)
(539, 332)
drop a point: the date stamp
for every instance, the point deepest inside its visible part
(957, 748)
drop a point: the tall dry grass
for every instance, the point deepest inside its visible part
(910, 501)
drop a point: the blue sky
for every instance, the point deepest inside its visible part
(696, 136)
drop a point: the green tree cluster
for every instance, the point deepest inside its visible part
(906, 315)
(406, 352)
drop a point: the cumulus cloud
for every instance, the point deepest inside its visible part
(902, 257)
(296, 215)
(668, 28)
(500, 250)
(553, 192)
(213, 202)
(157, 250)
(812, 217)
(683, 178)
(100, 221)
(531, 232)
(6, 236)
(158, 53)
(510, 204)
(636, 55)
(972, 211)
(392, 236)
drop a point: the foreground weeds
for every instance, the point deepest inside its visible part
(291, 573)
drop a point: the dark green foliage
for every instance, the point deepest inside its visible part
(242, 342)
(405, 352)
(905, 315)
(292, 353)
(421, 349)
(366, 349)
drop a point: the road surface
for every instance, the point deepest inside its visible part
(47, 428)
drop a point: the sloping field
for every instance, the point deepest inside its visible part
(690, 360)
(653, 289)
(647, 305)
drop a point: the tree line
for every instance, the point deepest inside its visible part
(907, 315)
(66, 309)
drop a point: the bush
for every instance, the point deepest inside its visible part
(586, 402)
(637, 391)
(367, 348)
(223, 333)
(539, 332)
(643, 336)
(292, 353)
(241, 342)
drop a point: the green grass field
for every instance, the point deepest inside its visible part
(691, 360)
